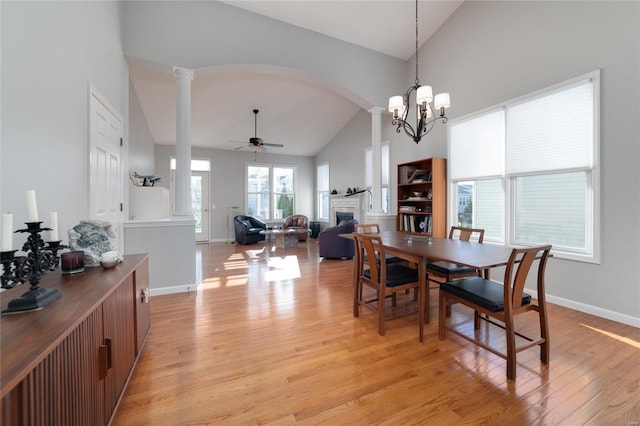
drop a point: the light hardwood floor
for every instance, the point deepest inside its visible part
(270, 338)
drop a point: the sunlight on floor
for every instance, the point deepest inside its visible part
(282, 268)
(622, 339)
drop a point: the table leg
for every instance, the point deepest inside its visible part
(423, 299)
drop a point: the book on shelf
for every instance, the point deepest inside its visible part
(417, 199)
(420, 175)
(415, 223)
(406, 172)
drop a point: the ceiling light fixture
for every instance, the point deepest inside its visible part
(426, 104)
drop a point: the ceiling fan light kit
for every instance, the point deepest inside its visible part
(426, 104)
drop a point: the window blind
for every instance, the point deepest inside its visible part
(477, 147)
(554, 132)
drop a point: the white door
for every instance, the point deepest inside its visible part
(199, 201)
(200, 204)
(105, 169)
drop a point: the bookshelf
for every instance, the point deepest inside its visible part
(422, 197)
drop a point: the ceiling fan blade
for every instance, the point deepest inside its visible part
(240, 147)
(277, 145)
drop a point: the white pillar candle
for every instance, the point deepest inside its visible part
(7, 233)
(32, 207)
(53, 219)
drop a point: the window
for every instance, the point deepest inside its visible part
(270, 191)
(322, 183)
(368, 175)
(527, 171)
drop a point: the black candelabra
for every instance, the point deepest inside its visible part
(40, 258)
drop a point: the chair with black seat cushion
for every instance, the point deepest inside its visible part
(439, 272)
(385, 279)
(503, 303)
(248, 229)
(361, 259)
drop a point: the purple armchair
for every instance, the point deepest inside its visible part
(331, 246)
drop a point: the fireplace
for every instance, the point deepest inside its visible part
(340, 216)
(353, 206)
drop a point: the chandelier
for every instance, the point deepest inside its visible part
(426, 107)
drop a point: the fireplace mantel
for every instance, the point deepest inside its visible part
(352, 204)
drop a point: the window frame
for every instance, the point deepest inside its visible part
(592, 252)
(272, 193)
(322, 192)
(368, 176)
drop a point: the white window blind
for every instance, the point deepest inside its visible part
(323, 177)
(552, 132)
(322, 182)
(476, 147)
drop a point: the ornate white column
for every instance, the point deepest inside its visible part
(184, 77)
(376, 159)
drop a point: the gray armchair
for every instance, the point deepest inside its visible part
(331, 246)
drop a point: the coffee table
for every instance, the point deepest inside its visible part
(283, 238)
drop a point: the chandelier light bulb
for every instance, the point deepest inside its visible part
(424, 94)
(442, 100)
(396, 106)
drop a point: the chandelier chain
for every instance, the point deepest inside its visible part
(417, 80)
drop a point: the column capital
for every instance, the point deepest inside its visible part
(179, 72)
(376, 110)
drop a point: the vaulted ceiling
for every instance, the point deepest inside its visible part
(222, 102)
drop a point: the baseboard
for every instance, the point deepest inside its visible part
(174, 289)
(590, 309)
(220, 240)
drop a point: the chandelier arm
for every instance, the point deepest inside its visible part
(428, 126)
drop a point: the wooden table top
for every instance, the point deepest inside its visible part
(474, 255)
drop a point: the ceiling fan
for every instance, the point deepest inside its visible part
(255, 143)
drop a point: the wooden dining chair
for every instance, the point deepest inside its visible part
(439, 272)
(503, 303)
(385, 279)
(361, 260)
(367, 228)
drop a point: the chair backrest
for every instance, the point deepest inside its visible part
(297, 220)
(517, 270)
(371, 246)
(367, 228)
(466, 234)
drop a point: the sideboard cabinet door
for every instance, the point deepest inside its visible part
(143, 307)
(66, 386)
(119, 337)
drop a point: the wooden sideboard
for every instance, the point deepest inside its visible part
(70, 362)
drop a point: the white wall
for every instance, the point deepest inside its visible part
(345, 153)
(227, 181)
(141, 143)
(51, 51)
(489, 52)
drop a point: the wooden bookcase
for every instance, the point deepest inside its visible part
(422, 197)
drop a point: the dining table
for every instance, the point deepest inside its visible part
(422, 249)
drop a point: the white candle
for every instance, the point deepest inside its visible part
(32, 207)
(7, 233)
(53, 218)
